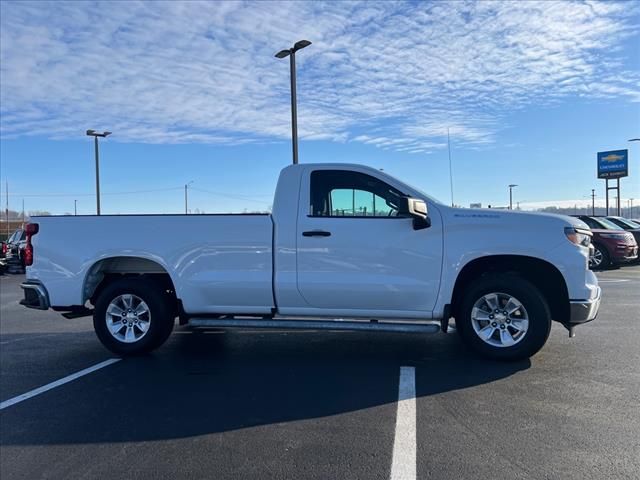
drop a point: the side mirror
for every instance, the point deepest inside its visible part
(417, 209)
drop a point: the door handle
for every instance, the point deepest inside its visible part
(316, 233)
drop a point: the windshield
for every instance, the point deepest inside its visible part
(608, 224)
(14, 236)
(423, 194)
(624, 223)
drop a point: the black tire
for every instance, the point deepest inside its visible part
(161, 319)
(531, 299)
(606, 259)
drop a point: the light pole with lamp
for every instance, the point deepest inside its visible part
(95, 135)
(631, 208)
(291, 53)
(511, 187)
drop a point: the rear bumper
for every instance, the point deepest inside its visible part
(35, 295)
(583, 311)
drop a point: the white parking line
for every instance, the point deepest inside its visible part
(403, 466)
(57, 383)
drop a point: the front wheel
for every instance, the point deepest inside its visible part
(132, 316)
(504, 317)
(600, 258)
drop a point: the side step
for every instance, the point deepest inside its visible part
(373, 326)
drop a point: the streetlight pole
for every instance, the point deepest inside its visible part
(593, 202)
(450, 168)
(631, 208)
(291, 53)
(186, 197)
(95, 135)
(511, 186)
(6, 191)
(75, 207)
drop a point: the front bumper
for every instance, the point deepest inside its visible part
(583, 311)
(625, 254)
(35, 295)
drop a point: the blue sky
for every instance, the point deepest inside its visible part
(529, 91)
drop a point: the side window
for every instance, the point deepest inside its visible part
(342, 193)
(591, 223)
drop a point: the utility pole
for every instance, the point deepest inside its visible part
(6, 191)
(75, 207)
(186, 197)
(95, 135)
(593, 202)
(511, 187)
(450, 168)
(291, 53)
(23, 213)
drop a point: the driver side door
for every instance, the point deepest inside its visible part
(359, 254)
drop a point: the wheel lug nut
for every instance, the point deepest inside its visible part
(497, 311)
(491, 316)
(494, 324)
(502, 326)
(508, 321)
(504, 313)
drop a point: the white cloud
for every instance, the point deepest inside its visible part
(394, 75)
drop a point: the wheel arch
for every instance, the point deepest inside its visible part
(108, 269)
(541, 273)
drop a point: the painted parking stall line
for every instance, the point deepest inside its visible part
(57, 383)
(403, 466)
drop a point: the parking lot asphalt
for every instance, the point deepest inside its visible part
(320, 405)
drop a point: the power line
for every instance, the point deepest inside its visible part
(134, 192)
(232, 195)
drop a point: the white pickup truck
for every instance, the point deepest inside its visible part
(347, 247)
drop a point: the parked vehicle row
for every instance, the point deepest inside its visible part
(615, 241)
(13, 252)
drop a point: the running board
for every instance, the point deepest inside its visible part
(316, 325)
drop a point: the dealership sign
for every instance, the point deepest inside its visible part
(613, 164)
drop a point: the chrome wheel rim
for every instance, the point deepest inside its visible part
(499, 319)
(128, 318)
(596, 258)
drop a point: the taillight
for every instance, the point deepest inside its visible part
(27, 254)
(31, 229)
(4, 248)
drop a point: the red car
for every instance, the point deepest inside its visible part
(612, 245)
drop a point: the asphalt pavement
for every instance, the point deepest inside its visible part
(320, 405)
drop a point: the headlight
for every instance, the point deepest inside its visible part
(578, 236)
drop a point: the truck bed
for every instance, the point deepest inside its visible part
(218, 263)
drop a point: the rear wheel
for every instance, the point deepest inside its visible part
(600, 258)
(133, 316)
(504, 317)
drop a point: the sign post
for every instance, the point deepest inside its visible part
(613, 164)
